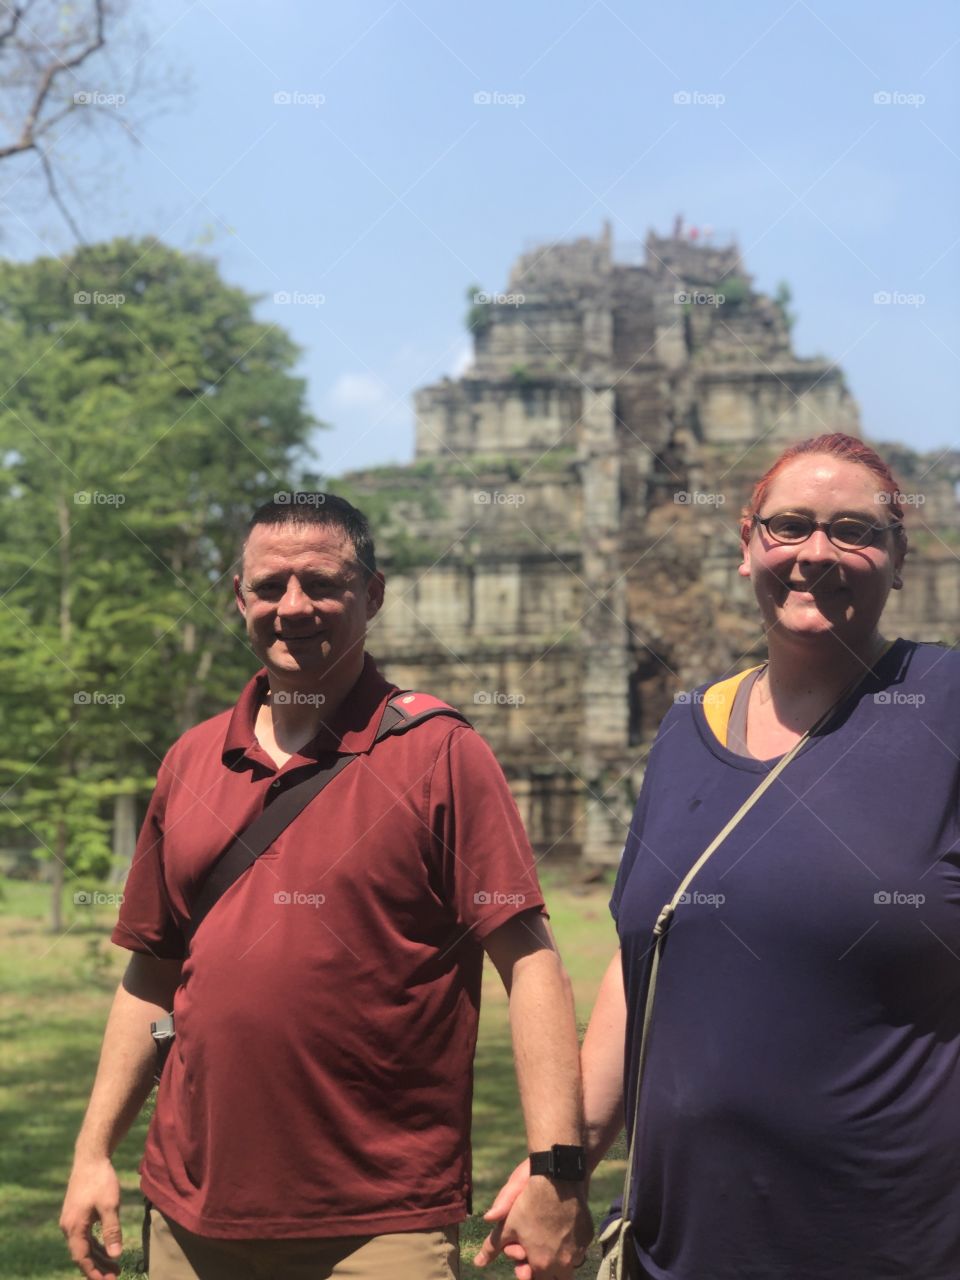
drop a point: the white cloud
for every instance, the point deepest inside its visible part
(462, 361)
(360, 391)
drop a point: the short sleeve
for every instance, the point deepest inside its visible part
(146, 921)
(629, 855)
(634, 841)
(487, 865)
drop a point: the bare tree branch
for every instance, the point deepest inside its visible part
(33, 126)
(16, 13)
(80, 60)
(55, 193)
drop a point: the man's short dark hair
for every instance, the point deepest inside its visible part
(324, 510)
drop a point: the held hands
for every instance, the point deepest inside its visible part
(93, 1194)
(542, 1226)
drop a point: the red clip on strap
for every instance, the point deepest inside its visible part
(414, 704)
(407, 709)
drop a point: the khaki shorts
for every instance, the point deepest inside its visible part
(177, 1254)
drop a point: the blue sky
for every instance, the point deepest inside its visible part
(384, 187)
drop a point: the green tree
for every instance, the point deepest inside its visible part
(478, 318)
(735, 290)
(783, 297)
(147, 412)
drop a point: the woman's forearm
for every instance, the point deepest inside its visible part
(601, 1060)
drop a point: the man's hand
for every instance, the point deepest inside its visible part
(543, 1227)
(93, 1195)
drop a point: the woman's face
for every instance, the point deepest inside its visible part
(814, 589)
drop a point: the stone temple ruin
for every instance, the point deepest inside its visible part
(561, 555)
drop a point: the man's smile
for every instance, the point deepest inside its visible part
(294, 639)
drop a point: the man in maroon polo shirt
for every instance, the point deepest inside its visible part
(313, 1118)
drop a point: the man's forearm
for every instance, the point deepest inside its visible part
(124, 1078)
(602, 1064)
(125, 1072)
(547, 1221)
(544, 1028)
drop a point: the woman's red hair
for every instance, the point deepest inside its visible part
(837, 445)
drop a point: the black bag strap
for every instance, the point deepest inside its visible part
(402, 712)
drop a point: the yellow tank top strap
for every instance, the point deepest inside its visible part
(718, 702)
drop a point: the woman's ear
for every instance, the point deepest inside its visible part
(744, 567)
(899, 556)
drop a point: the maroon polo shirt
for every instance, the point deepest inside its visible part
(321, 1078)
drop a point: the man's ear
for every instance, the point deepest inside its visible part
(376, 585)
(238, 595)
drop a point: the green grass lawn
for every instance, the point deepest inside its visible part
(54, 997)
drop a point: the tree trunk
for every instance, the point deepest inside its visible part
(190, 711)
(66, 582)
(124, 835)
(56, 890)
(66, 636)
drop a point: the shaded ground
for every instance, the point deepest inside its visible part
(54, 997)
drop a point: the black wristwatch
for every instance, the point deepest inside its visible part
(566, 1163)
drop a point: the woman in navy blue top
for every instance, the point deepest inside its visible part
(800, 1109)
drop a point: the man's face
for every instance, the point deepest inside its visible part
(306, 601)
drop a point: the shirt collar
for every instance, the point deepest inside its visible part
(352, 731)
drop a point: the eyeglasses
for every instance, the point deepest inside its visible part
(848, 532)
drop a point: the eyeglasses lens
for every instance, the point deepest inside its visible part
(852, 533)
(844, 532)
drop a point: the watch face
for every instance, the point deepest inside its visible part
(569, 1163)
(564, 1162)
